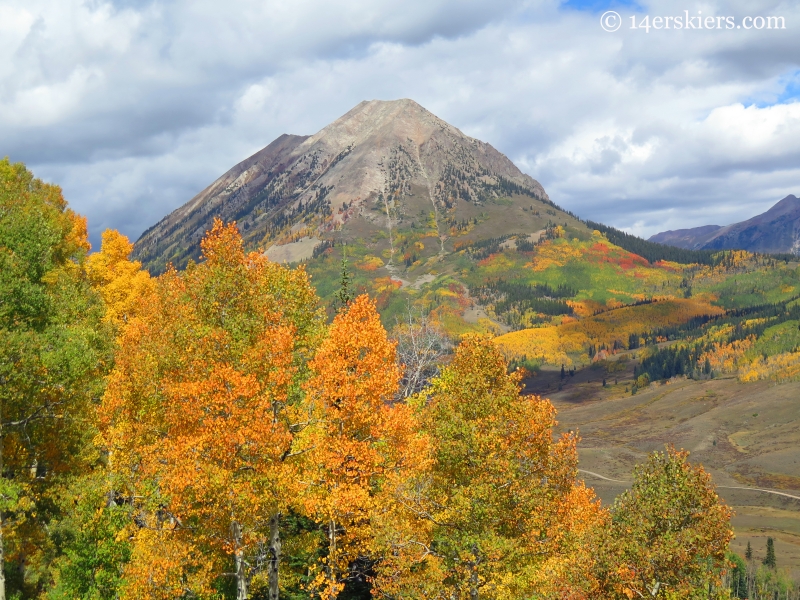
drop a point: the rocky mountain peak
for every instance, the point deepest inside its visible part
(788, 206)
(379, 152)
(399, 119)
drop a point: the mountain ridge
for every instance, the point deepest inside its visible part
(774, 231)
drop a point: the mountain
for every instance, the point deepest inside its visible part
(691, 239)
(382, 164)
(775, 231)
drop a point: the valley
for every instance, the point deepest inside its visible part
(745, 434)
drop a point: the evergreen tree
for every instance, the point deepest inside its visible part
(769, 560)
(633, 341)
(748, 554)
(654, 252)
(345, 295)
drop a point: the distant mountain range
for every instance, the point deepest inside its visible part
(381, 164)
(775, 231)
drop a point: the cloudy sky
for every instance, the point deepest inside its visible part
(135, 106)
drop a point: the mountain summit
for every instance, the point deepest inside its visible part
(368, 163)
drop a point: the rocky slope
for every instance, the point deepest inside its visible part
(368, 164)
(775, 231)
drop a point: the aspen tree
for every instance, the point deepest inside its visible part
(508, 519)
(363, 443)
(201, 413)
(53, 355)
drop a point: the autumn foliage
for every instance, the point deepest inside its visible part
(54, 352)
(201, 410)
(509, 519)
(122, 283)
(206, 434)
(668, 533)
(567, 342)
(215, 433)
(232, 405)
(361, 442)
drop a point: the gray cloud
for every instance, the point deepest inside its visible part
(133, 107)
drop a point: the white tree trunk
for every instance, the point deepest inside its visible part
(274, 555)
(474, 580)
(331, 554)
(242, 581)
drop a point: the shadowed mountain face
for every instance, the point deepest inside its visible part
(309, 186)
(775, 231)
(691, 239)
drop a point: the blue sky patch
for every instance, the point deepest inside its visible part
(600, 5)
(790, 92)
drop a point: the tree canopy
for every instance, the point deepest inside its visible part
(54, 351)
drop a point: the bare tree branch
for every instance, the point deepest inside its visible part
(422, 347)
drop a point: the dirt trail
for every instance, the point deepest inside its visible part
(721, 487)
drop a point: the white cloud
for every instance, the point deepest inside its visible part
(746, 132)
(134, 108)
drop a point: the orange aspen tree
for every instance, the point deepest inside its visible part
(200, 416)
(362, 444)
(508, 517)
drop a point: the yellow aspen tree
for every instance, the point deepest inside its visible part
(668, 533)
(508, 517)
(201, 412)
(121, 282)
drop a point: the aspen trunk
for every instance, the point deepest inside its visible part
(473, 576)
(473, 580)
(274, 555)
(331, 554)
(238, 557)
(2, 563)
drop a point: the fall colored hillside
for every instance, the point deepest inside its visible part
(209, 433)
(576, 340)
